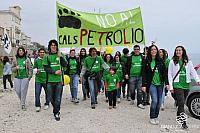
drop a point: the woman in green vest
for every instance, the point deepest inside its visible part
(108, 59)
(180, 73)
(23, 73)
(164, 56)
(120, 71)
(154, 77)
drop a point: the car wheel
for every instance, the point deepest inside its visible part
(194, 105)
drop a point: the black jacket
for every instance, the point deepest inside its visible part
(147, 73)
(129, 62)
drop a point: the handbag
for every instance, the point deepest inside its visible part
(88, 73)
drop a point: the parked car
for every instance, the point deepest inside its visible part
(193, 98)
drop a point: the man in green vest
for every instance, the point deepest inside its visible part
(53, 65)
(134, 74)
(40, 80)
(73, 70)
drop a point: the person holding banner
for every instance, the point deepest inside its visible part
(91, 70)
(73, 71)
(23, 73)
(154, 76)
(54, 62)
(40, 81)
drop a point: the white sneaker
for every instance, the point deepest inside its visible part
(118, 100)
(46, 107)
(76, 100)
(37, 109)
(153, 121)
(141, 106)
(157, 121)
(132, 102)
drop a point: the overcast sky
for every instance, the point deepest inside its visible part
(170, 22)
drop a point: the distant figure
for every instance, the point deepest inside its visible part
(7, 73)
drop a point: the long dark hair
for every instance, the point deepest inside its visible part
(164, 54)
(82, 49)
(114, 59)
(111, 58)
(184, 56)
(5, 59)
(22, 48)
(149, 57)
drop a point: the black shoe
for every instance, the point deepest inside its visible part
(144, 103)
(148, 103)
(96, 102)
(124, 96)
(93, 106)
(57, 116)
(184, 125)
(84, 97)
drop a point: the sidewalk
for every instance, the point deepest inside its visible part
(82, 119)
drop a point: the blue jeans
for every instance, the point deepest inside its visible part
(38, 89)
(55, 92)
(74, 79)
(135, 83)
(93, 84)
(119, 91)
(156, 100)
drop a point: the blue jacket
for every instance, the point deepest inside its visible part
(7, 70)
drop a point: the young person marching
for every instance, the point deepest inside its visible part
(134, 75)
(180, 72)
(163, 55)
(108, 59)
(85, 86)
(73, 71)
(154, 77)
(124, 59)
(53, 65)
(23, 73)
(91, 70)
(120, 71)
(111, 85)
(40, 81)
